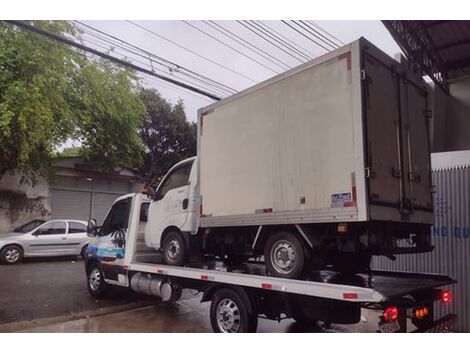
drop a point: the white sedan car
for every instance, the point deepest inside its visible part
(40, 238)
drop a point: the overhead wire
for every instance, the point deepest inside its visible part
(298, 46)
(247, 44)
(318, 35)
(229, 46)
(303, 34)
(279, 40)
(191, 51)
(159, 60)
(26, 26)
(313, 23)
(250, 28)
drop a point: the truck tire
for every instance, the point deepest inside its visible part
(11, 254)
(95, 280)
(230, 313)
(284, 255)
(174, 249)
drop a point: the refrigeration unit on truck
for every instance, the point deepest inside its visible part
(241, 293)
(324, 165)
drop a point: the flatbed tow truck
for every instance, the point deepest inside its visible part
(242, 293)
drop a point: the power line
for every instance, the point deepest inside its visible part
(228, 46)
(210, 89)
(303, 34)
(171, 66)
(316, 34)
(266, 39)
(192, 52)
(298, 47)
(247, 44)
(280, 41)
(326, 32)
(85, 48)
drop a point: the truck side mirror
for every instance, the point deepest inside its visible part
(151, 193)
(91, 228)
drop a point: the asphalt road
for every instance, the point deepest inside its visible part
(53, 287)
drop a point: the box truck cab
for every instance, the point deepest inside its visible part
(324, 165)
(174, 211)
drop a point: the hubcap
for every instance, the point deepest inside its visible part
(12, 255)
(283, 257)
(94, 279)
(228, 316)
(173, 250)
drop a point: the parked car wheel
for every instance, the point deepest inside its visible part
(174, 249)
(95, 280)
(230, 314)
(284, 255)
(11, 254)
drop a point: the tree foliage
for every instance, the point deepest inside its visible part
(167, 135)
(50, 93)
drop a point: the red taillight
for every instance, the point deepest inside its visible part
(391, 313)
(446, 296)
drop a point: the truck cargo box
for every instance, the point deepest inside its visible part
(343, 137)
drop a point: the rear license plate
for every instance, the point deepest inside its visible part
(391, 326)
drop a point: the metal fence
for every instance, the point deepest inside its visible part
(451, 238)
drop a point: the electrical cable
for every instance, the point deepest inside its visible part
(228, 46)
(191, 51)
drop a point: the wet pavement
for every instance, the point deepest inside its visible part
(186, 315)
(53, 287)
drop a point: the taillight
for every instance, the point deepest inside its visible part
(446, 296)
(421, 313)
(390, 314)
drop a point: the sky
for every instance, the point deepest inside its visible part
(236, 66)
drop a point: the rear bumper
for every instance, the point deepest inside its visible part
(444, 324)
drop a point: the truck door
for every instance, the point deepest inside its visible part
(170, 207)
(415, 132)
(384, 156)
(398, 157)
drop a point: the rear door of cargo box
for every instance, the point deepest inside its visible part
(397, 145)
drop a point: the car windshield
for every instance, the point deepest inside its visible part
(29, 226)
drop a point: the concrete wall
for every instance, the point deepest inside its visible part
(450, 127)
(20, 202)
(458, 115)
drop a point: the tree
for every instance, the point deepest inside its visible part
(51, 93)
(167, 135)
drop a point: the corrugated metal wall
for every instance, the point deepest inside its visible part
(451, 238)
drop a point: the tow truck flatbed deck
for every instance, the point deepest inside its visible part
(373, 287)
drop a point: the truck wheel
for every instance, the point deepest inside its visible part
(95, 281)
(229, 313)
(11, 254)
(284, 255)
(174, 249)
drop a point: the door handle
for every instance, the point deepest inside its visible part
(185, 203)
(64, 238)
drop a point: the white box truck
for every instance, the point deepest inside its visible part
(322, 166)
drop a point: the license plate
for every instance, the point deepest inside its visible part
(391, 326)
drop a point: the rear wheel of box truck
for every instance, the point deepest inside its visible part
(284, 255)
